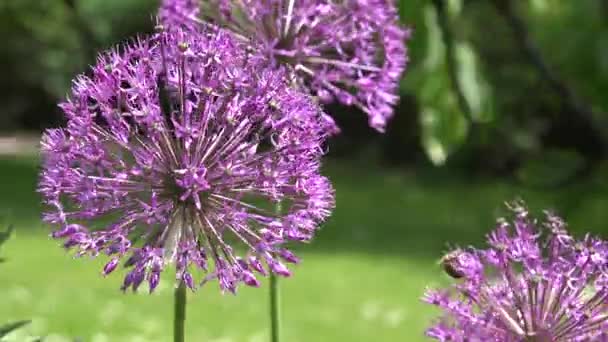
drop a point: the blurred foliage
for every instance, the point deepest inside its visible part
(553, 168)
(444, 122)
(509, 118)
(515, 116)
(575, 36)
(46, 43)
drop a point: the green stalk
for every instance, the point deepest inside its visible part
(179, 318)
(275, 310)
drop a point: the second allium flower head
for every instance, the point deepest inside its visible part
(178, 147)
(351, 51)
(535, 283)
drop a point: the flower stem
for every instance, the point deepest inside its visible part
(275, 312)
(179, 318)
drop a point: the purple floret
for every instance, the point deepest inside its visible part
(176, 151)
(535, 283)
(352, 51)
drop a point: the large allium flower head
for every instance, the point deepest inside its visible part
(535, 283)
(176, 149)
(173, 12)
(349, 51)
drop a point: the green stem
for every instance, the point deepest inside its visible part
(275, 310)
(180, 313)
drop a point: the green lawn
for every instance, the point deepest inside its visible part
(359, 281)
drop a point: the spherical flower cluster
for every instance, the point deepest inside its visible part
(349, 51)
(172, 13)
(535, 283)
(177, 148)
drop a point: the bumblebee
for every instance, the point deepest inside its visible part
(450, 264)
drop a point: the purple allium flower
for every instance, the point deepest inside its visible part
(535, 283)
(351, 51)
(177, 148)
(174, 12)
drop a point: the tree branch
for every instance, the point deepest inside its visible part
(89, 40)
(450, 57)
(535, 57)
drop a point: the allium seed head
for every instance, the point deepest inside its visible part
(535, 283)
(349, 51)
(177, 148)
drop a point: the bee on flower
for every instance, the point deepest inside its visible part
(534, 283)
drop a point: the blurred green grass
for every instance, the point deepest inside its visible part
(360, 280)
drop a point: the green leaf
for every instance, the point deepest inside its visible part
(435, 48)
(443, 130)
(444, 126)
(539, 6)
(9, 327)
(474, 87)
(454, 7)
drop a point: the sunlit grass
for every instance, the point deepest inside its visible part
(333, 297)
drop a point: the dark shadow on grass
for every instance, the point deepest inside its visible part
(18, 198)
(411, 213)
